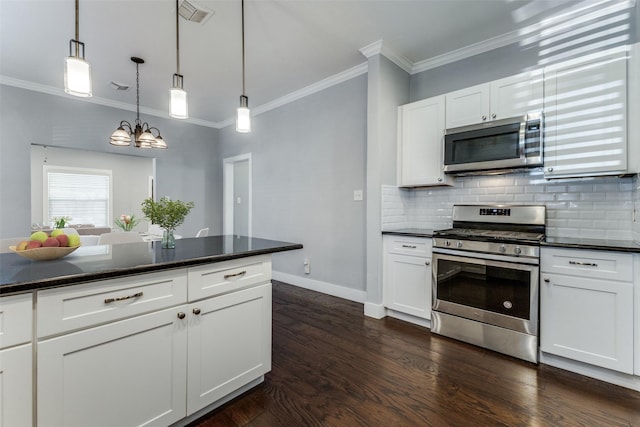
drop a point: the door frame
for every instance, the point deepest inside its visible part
(228, 186)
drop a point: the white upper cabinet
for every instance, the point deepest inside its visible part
(586, 116)
(509, 97)
(420, 134)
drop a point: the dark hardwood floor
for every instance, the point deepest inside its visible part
(332, 366)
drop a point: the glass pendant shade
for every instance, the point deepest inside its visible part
(243, 117)
(77, 77)
(146, 139)
(120, 137)
(178, 108)
(159, 143)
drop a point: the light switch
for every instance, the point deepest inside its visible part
(357, 194)
(238, 200)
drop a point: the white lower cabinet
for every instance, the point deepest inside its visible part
(127, 373)
(229, 344)
(15, 386)
(407, 275)
(16, 368)
(586, 307)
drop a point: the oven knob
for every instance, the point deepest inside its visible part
(517, 250)
(447, 243)
(503, 248)
(458, 244)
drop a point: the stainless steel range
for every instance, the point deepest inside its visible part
(486, 278)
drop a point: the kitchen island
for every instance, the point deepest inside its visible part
(134, 334)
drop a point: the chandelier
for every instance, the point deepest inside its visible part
(141, 132)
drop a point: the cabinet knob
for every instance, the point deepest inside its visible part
(546, 280)
(550, 169)
(493, 115)
(484, 117)
(181, 315)
(427, 263)
(196, 311)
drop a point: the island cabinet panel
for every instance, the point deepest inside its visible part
(210, 280)
(229, 344)
(16, 369)
(74, 307)
(126, 373)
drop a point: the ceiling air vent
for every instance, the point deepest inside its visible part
(193, 13)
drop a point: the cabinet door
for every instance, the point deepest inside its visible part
(420, 134)
(126, 373)
(16, 387)
(467, 106)
(587, 320)
(585, 119)
(229, 344)
(516, 96)
(407, 284)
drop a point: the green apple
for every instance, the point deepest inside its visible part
(74, 240)
(57, 232)
(40, 236)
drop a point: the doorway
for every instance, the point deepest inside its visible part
(237, 195)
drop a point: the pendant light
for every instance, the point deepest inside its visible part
(141, 132)
(178, 107)
(243, 117)
(77, 71)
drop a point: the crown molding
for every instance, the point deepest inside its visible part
(306, 91)
(379, 48)
(49, 90)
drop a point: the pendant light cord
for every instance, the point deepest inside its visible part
(77, 19)
(243, 91)
(137, 93)
(177, 38)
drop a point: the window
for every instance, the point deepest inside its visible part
(82, 194)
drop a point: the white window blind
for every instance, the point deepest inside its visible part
(83, 196)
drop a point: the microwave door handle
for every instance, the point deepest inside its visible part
(521, 143)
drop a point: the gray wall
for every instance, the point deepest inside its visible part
(307, 158)
(189, 170)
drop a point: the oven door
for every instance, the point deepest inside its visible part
(499, 293)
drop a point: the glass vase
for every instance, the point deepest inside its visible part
(168, 240)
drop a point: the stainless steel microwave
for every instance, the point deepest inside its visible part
(497, 145)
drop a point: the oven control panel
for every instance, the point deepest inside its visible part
(507, 249)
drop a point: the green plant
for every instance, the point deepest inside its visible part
(126, 222)
(60, 221)
(166, 213)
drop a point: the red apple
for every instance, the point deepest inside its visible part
(33, 244)
(63, 239)
(22, 245)
(50, 242)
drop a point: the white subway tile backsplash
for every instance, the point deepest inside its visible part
(586, 208)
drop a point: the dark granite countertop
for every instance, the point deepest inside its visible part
(416, 232)
(596, 244)
(88, 263)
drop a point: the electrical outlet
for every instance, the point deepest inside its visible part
(307, 266)
(357, 195)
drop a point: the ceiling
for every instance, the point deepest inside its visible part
(290, 44)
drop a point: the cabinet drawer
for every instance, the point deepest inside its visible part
(407, 245)
(223, 277)
(16, 320)
(75, 307)
(586, 263)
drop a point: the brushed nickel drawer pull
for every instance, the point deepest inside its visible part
(229, 276)
(409, 246)
(110, 300)
(588, 264)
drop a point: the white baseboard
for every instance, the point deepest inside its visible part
(377, 311)
(319, 286)
(602, 374)
(425, 323)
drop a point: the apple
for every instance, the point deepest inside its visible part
(40, 236)
(74, 240)
(22, 245)
(63, 239)
(57, 232)
(50, 242)
(33, 244)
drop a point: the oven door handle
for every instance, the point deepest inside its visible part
(466, 255)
